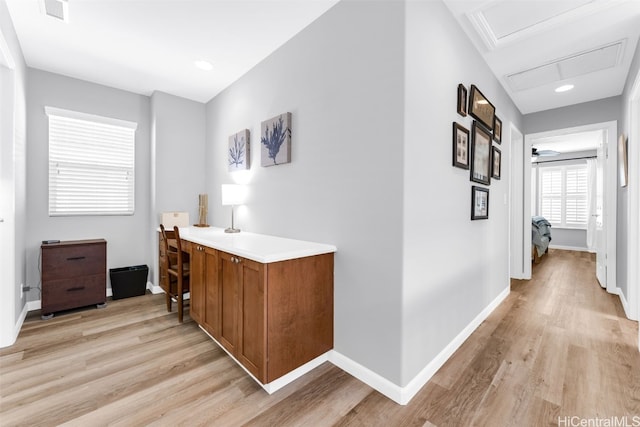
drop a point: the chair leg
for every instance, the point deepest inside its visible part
(179, 296)
(179, 304)
(168, 301)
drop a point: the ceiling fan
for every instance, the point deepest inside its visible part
(543, 153)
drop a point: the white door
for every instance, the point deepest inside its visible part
(601, 241)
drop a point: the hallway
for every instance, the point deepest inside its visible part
(558, 347)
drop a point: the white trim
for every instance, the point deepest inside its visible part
(367, 376)
(623, 301)
(8, 321)
(633, 204)
(60, 112)
(568, 248)
(7, 58)
(154, 289)
(9, 341)
(403, 395)
(517, 229)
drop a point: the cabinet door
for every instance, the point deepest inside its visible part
(211, 320)
(252, 344)
(229, 278)
(197, 282)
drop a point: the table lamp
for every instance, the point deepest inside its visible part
(233, 194)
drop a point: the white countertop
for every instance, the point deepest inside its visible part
(257, 247)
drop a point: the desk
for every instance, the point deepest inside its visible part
(267, 301)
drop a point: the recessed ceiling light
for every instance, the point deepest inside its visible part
(203, 65)
(564, 88)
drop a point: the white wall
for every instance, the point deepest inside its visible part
(342, 79)
(13, 175)
(453, 267)
(625, 216)
(177, 160)
(128, 241)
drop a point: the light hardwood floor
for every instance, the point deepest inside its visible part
(559, 346)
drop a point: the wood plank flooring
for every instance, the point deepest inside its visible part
(558, 346)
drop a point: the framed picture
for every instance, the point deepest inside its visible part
(480, 108)
(480, 155)
(497, 130)
(623, 160)
(479, 202)
(275, 139)
(460, 146)
(238, 155)
(462, 100)
(496, 162)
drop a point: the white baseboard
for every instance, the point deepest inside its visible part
(625, 304)
(34, 305)
(154, 289)
(403, 395)
(367, 376)
(569, 248)
(8, 341)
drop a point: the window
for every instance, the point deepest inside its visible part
(91, 164)
(563, 195)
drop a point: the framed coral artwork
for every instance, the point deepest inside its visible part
(238, 155)
(275, 140)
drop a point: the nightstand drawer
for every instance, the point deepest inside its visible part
(72, 261)
(70, 293)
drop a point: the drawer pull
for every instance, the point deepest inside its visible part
(74, 289)
(75, 258)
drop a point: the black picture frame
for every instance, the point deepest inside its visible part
(480, 155)
(497, 130)
(496, 163)
(481, 109)
(462, 100)
(479, 203)
(461, 153)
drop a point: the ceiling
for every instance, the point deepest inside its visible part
(143, 45)
(534, 46)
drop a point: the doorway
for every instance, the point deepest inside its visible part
(608, 258)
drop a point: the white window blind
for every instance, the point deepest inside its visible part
(551, 195)
(91, 164)
(576, 196)
(563, 195)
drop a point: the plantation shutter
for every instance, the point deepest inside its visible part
(551, 195)
(91, 164)
(576, 196)
(563, 195)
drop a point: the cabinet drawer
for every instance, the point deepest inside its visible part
(70, 293)
(73, 261)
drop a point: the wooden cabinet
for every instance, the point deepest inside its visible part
(272, 317)
(243, 311)
(204, 306)
(74, 274)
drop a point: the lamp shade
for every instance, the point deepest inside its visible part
(233, 194)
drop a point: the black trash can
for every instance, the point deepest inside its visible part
(128, 281)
